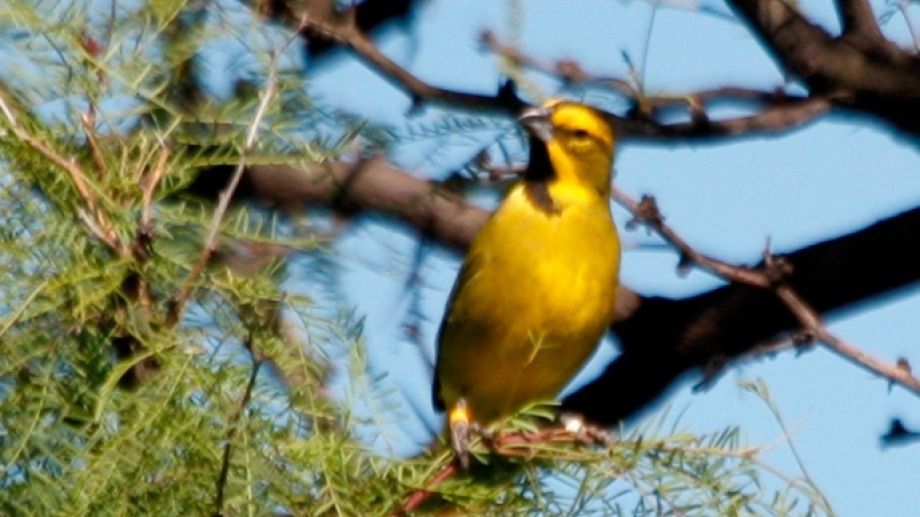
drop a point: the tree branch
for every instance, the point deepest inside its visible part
(420, 496)
(666, 339)
(233, 427)
(812, 322)
(368, 16)
(180, 298)
(772, 277)
(96, 221)
(780, 111)
(371, 185)
(879, 79)
(778, 117)
(856, 16)
(662, 339)
(347, 34)
(570, 71)
(771, 120)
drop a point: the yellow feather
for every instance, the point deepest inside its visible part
(536, 290)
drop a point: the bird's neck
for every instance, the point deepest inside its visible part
(589, 172)
(593, 177)
(570, 193)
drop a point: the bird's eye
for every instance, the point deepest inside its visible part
(580, 133)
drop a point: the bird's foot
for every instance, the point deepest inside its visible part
(460, 429)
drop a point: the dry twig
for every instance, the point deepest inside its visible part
(779, 110)
(346, 33)
(95, 220)
(419, 497)
(180, 298)
(233, 426)
(770, 276)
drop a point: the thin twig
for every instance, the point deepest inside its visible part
(779, 110)
(914, 39)
(520, 444)
(811, 321)
(347, 34)
(88, 120)
(570, 71)
(419, 497)
(180, 299)
(640, 76)
(110, 24)
(787, 112)
(646, 212)
(695, 6)
(98, 223)
(770, 277)
(566, 69)
(233, 427)
(787, 438)
(149, 184)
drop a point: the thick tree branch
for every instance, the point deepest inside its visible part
(813, 54)
(370, 185)
(879, 79)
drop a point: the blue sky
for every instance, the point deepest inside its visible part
(726, 199)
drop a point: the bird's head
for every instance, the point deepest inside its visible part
(570, 142)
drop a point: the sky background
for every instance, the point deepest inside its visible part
(725, 198)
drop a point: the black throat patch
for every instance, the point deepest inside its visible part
(537, 177)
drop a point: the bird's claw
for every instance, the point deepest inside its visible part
(460, 428)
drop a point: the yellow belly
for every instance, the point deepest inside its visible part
(534, 298)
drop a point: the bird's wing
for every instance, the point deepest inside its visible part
(471, 264)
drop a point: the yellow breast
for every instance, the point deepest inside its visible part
(533, 300)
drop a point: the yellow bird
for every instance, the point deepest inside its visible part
(536, 290)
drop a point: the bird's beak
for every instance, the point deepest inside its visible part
(537, 122)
